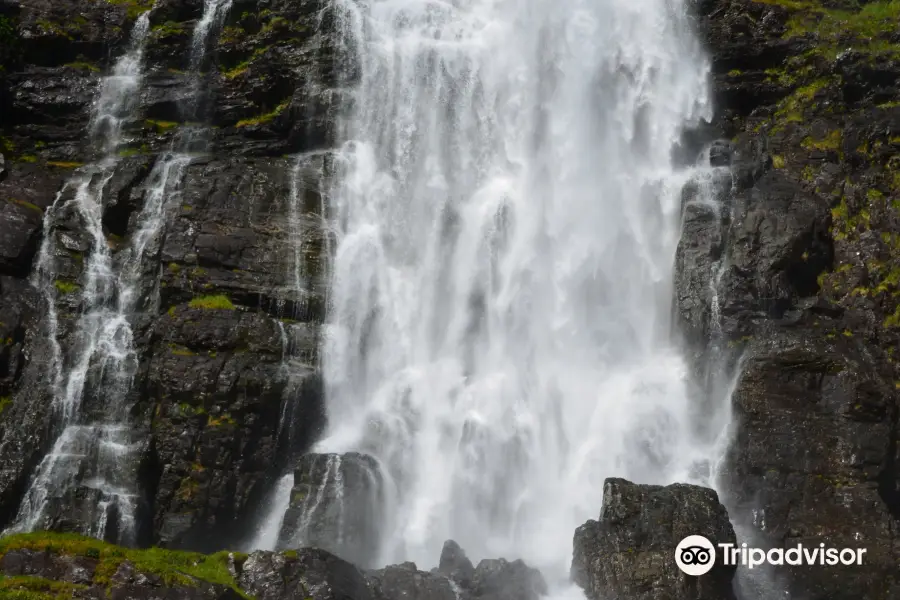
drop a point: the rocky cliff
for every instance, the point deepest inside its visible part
(804, 263)
(235, 273)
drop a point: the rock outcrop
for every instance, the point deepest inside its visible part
(805, 244)
(337, 503)
(629, 553)
(58, 566)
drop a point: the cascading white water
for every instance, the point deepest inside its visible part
(102, 457)
(99, 329)
(507, 214)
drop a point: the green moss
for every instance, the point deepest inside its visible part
(60, 164)
(242, 67)
(135, 7)
(126, 152)
(870, 27)
(65, 287)
(179, 350)
(23, 587)
(28, 158)
(161, 126)
(27, 205)
(168, 29)
(82, 66)
(5, 401)
(174, 268)
(173, 566)
(893, 320)
(218, 302)
(778, 161)
(832, 141)
(220, 420)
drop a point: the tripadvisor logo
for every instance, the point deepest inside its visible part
(696, 555)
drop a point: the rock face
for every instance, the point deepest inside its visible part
(629, 554)
(226, 389)
(336, 504)
(803, 251)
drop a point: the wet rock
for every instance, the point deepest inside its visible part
(455, 565)
(406, 582)
(499, 579)
(305, 573)
(336, 504)
(818, 424)
(630, 552)
(72, 569)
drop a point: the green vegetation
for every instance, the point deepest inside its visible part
(179, 350)
(61, 164)
(218, 421)
(161, 126)
(126, 152)
(243, 66)
(64, 286)
(174, 567)
(24, 587)
(27, 205)
(5, 401)
(218, 302)
(778, 161)
(266, 117)
(832, 141)
(82, 65)
(28, 158)
(135, 7)
(169, 29)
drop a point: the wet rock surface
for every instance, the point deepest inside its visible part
(337, 503)
(802, 262)
(629, 553)
(223, 292)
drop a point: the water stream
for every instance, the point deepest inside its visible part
(89, 480)
(507, 213)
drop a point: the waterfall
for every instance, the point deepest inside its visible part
(296, 363)
(91, 473)
(507, 213)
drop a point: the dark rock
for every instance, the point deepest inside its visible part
(455, 565)
(336, 504)
(797, 386)
(629, 554)
(406, 582)
(499, 579)
(305, 573)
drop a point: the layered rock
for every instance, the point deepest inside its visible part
(629, 553)
(807, 295)
(235, 288)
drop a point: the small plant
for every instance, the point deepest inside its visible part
(218, 302)
(65, 287)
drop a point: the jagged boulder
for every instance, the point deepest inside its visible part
(455, 565)
(456, 578)
(309, 573)
(336, 504)
(629, 554)
(499, 579)
(406, 582)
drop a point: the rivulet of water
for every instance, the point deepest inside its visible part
(507, 213)
(92, 469)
